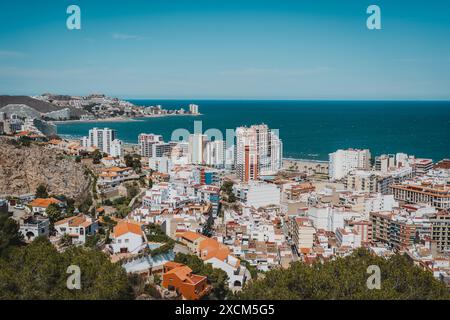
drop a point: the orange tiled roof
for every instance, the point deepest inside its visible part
(124, 227)
(44, 203)
(191, 236)
(213, 249)
(77, 221)
(172, 264)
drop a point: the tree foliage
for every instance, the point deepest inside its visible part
(39, 271)
(9, 233)
(133, 161)
(41, 191)
(227, 188)
(346, 278)
(96, 157)
(54, 213)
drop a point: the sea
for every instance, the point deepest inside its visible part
(308, 129)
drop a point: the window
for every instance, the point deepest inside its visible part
(127, 240)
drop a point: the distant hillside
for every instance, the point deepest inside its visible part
(40, 106)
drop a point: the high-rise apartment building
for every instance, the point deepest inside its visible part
(344, 161)
(196, 148)
(146, 143)
(259, 151)
(100, 138)
(193, 109)
(116, 148)
(215, 153)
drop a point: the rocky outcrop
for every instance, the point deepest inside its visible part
(24, 168)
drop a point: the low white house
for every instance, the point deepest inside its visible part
(127, 237)
(32, 227)
(77, 227)
(231, 265)
(40, 205)
(348, 238)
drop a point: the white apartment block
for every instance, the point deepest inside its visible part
(379, 202)
(146, 142)
(116, 148)
(193, 109)
(196, 148)
(215, 153)
(258, 194)
(329, 218)
(348, 238)
(160, 164)
(100, 138)
(344, 161)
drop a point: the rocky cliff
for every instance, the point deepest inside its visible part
(24, 168)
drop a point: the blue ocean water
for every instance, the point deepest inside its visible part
(309, 129)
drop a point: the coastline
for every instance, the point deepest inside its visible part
(123, 119)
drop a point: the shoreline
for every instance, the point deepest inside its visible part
(122, 119)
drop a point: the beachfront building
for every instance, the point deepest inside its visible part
(100, 138)
(146, 143)
(193, 108)
(344, 161)
(259, 152)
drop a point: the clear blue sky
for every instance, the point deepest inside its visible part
(310, 49)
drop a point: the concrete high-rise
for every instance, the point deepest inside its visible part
(196, 148)
(344, 161)
(259, 151)
(101, 139)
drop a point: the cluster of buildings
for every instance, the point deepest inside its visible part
(234, 207)
(104, 140)
(100, 106)
(31, 126)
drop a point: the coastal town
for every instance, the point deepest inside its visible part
(159, 208)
